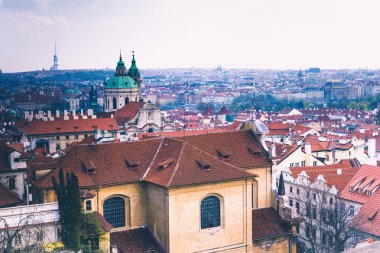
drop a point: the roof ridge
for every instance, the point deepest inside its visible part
(177, 165)
(153, 160)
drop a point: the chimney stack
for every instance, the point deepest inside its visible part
(307, 148)
(372, 152)
(273, 150)
(65, 116)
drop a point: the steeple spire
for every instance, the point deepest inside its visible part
(120, 68)
(133, 70)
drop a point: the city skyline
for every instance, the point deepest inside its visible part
(178, 34)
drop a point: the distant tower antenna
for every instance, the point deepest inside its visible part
(55, 58)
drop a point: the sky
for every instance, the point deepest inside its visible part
(261, 34)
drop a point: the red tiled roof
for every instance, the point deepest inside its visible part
(110, 163)
(8, 198)
(39, 127)
(127, 112)
(179, 133)
(110, 166)
(224, 110)
(330, 173)
(368, 218)
(236, 143)
(365, 175)
(105, 225)
(283, 150)
(136, 240)
(178, 163)
(279, 126)
(267, 223)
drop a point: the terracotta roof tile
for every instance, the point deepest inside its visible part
(8, 198)
(127, 112)
(267, 223)
(109, 162)
(38, 127)
(366, 174)
(235, 143)
(178, 163)
(368, 218)
(330, 173)
(137, 240)
(163, 161)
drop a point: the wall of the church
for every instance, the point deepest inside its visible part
(133, 194)
(120, 95)
(157, 212)
(264, 186)
(235, 232)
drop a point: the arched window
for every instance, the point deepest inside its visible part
(210, 212)
(114, 211)
(114, 104)
(126, 100)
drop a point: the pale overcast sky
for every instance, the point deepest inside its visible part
(275, 34)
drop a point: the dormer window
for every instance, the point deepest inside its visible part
(222, 154)
(88, 166)
(373, 215)
(131, 163)
(166, 163)
(254, 152)
(354, 186)
(203, 165)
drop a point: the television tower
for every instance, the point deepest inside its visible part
(55, 59)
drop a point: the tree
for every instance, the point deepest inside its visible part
(327, 222)
(27, 233)
(69, 203)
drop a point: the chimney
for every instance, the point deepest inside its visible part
(90, 112)
(273, 150)
(307, 148)
(339, 171)
(81, 112)
(49, 114)
(114, 249)
(65, 116)
(75, 115)
(57, 113)
(375, 133)
(372, 152)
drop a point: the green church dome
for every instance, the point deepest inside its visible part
(121, 82)
(69, 91)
